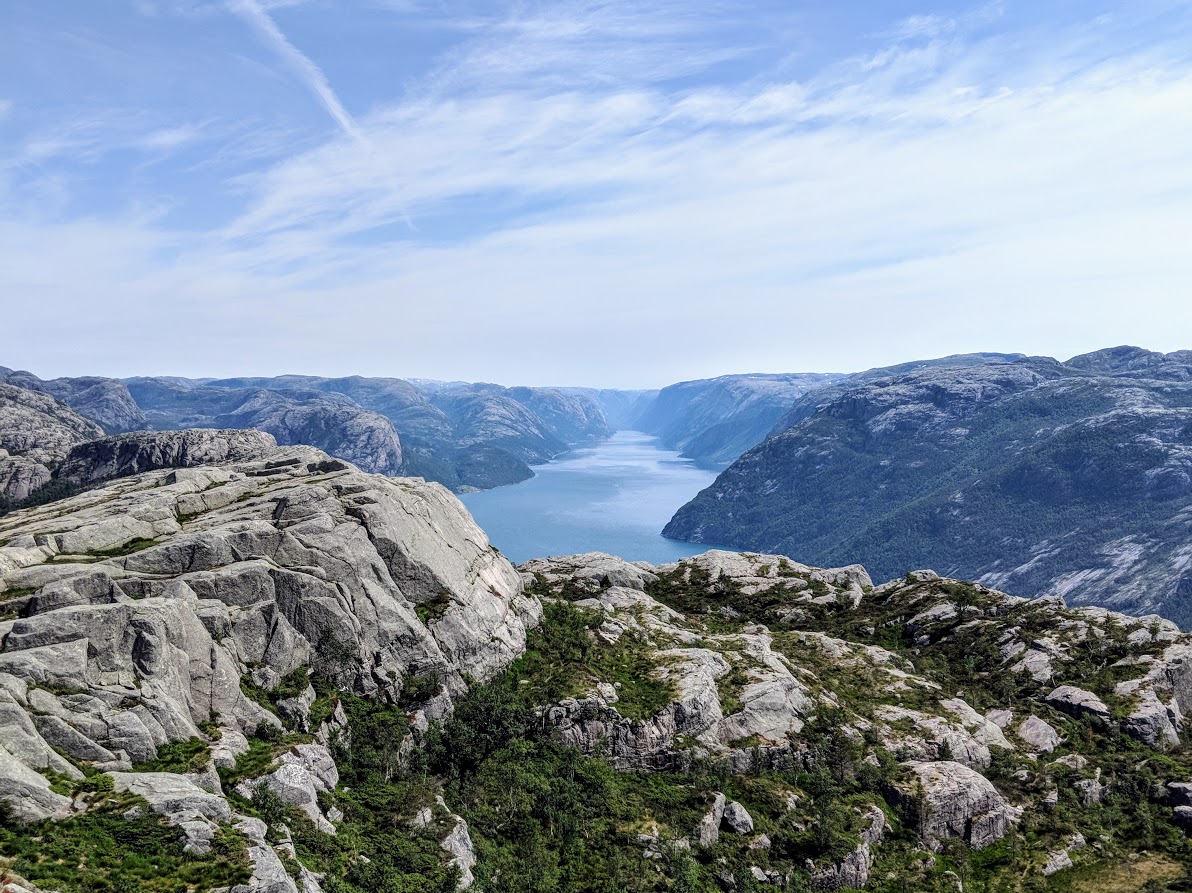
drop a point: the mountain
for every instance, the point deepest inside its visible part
(330, 421)
(467, 436)
(103, 400)
(1033, 475)
(715, 420)
(621, 408)
(282, 674)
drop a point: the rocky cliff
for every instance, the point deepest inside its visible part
(167, 609)
(331, 422)
(1033, 476)
(283, 674)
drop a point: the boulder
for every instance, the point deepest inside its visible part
(1038, 734)
(738, 818)
(1077, 702)
(708, 830)
(954, 801)
(27, 792)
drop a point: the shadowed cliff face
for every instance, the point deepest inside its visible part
(1034, 476)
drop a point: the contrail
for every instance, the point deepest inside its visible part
(307, 70)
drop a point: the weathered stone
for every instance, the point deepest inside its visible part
(955, 801)
(1077, 702)
(458, 843)
(28, 793)
(738, 818)
(708, 831)
(1038, 734)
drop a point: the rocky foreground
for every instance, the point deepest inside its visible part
(282, 674)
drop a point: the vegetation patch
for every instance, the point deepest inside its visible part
(102, 851)
(564, 659)
(192, 755)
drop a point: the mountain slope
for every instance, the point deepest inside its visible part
(1035, 476)
(36, 432)
(466, 436)
(331, 422)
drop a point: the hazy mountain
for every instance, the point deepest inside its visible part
(714, 420)
(461, 434)
(103, 400)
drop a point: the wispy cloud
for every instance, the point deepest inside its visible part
(257, 16)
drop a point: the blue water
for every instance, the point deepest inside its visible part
(613, 497)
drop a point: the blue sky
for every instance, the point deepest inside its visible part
(605, 193)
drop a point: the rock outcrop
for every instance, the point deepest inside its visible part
(36, 432)
(129, 454)
(39, 426)
(135, 609)
(955, 801)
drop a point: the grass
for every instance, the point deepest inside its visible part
(1150, 873)
(433, 608)
(562, 660)
(102, 851)
(191, 755)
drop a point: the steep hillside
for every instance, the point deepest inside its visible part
(1034, 476)
(36, 432)
(331, 422)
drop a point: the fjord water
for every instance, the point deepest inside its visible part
(612, 497)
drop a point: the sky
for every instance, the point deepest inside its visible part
(617, 194)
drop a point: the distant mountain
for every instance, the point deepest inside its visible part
(715, 420)
(103, 400)
(331, 422)
(1032, 475)
(467, 436)
(621, 408)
